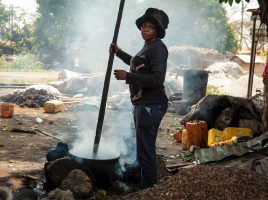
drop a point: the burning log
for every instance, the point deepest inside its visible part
(47, 134)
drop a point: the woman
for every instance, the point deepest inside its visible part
(151, 107)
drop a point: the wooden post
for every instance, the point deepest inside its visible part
(252, 58)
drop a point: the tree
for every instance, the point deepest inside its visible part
(4, 20)
(52, 27)
(263, 9)
(16, 35)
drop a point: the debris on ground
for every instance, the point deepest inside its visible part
(206, 182)
(242, 112)
(31, 98)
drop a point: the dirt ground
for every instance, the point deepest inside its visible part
(28, 77)
(23, 151)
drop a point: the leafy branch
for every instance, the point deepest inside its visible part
(231, 1)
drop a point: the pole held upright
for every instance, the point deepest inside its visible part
(107, 81)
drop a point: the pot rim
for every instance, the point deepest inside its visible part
(114, 158)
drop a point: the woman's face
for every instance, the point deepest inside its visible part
(148, 31)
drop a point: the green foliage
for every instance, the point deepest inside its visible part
(7, 47)
(53, 28)
(21, 63)
(15, 34)
(264, 53)
(231, 1)
(23, 37)
(2, 61)
(4, 20)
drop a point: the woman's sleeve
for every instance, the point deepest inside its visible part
(124, 56)
(155, 79)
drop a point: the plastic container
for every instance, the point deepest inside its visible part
(197, 134)
(54, 106)
(231, 141)
(216, 136)
(229, 132)
(7, 109)
(178, 136)
(184, 140)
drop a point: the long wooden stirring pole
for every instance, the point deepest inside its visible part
(107, 82)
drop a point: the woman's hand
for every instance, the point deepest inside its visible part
(120, 74)
(113, 48)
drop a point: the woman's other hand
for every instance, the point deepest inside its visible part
(120, 74)
(113, 48)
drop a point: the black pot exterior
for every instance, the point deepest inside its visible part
(105, 171)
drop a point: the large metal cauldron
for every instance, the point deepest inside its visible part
(105, 168)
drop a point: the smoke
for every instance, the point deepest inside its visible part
(93, 25)
(94, 21)
(117, 137)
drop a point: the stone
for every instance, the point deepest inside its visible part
(59, 194)
(78, 183)
(56, 171)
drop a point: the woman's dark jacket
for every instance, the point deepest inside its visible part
(152, 83)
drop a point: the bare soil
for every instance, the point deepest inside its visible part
(24, 153)
(28, 77)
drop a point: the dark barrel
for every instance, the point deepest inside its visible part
(194, 85)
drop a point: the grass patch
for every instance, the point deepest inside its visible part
(22, 63)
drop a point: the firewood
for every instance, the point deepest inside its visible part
(174, 166)
(47, 134)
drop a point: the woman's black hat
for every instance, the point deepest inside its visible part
(158, 17)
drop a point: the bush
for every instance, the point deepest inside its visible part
(22, 63)
(8, 47)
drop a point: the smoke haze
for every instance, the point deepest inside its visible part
(94, 26)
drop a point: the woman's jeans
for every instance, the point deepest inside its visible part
(147, 119)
